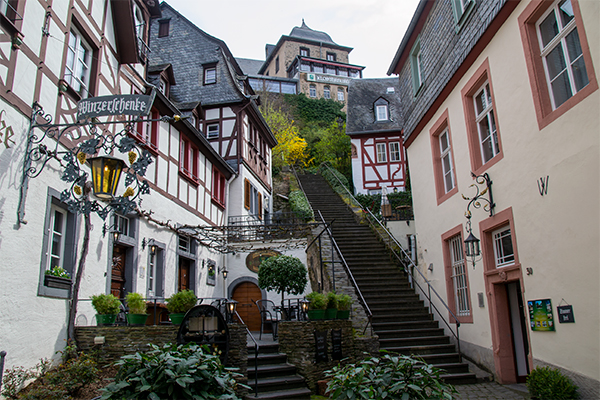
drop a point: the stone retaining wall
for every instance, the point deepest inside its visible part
(296, 339)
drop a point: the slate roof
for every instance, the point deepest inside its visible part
(304, 32)
(187, 48)
(362, 95)
(249, 66)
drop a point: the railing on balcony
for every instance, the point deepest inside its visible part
(9, 11)
(273, 227)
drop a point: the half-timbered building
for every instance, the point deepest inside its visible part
(374, 125)
(55, 54)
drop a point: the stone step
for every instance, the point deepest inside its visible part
(265, 359)
(264, 348)
(294, 394)
(404, 325)
(405, 333)
(278, 383)
(421, 350)
(271, 370)
(418, 341)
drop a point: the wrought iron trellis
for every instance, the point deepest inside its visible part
(476, 201)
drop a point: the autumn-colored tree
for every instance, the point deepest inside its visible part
(291, 149)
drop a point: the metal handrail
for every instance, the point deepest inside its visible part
(403, 262)
(2, 356)
(256, 348)
(347, 268)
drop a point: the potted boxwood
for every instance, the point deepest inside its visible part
(107, 307)
(344, 302)
(317, 305)
(180, 303)
(57, 277)
(331, 311)
(137, 309)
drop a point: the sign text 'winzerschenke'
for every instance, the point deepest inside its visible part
(122, 104)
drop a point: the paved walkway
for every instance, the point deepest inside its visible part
(492, 391)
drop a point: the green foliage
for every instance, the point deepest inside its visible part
(300, 205)
(322, 111)
(332, 300)
(344, 302)
(59, 272)
(291, 149)
(106, 304)
(58, 383)
(136, 303)
(283, 274)
(318, 301)
(372, 202)
(333, 146)
(172, 372)
(388, 376)
(334, 177)
(547, 383)
(181, 302)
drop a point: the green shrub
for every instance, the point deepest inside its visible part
(136, 303)
(181, 302)
(106, 304)
(14, 379)
(344, 302)
(300, 205)
(172, 372)
(318, 301)
(332, 300)
(334, 177)
(74, 374)
(388, 376)
(46, 392)
(547, 383)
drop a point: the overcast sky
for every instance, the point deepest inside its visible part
(373, 28)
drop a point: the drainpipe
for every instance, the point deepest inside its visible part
(226, 222)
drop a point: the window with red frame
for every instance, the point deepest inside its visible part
(188, 160)
(147, 131)
(218, 191)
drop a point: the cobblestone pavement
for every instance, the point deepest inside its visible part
(492, 391)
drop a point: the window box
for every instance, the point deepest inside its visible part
(57, 282)
(188, 177)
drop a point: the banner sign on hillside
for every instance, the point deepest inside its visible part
(121, 104)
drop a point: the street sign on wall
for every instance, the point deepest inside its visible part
(121, 104)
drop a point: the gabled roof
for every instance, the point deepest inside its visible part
(166, 68)
(188, 48)
(362, 95)
(249, 66)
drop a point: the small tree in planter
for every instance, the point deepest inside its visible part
(137, 309)
(107, 306)
(283, 274)
(180, 303)
(317, 305)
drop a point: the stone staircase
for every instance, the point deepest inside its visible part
(277, 379)
(400, 319)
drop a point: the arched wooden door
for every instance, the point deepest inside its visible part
(245, 294)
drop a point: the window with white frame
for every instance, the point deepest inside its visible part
(313, 91)
(79, 63)
(56, 244)
(486, 123)
(304, 52)
(330, 56)
(212, 131)
(185, 243)
(340, 94)
(503, 247)
(459, 276)
(381, 112)
(395, 151)
(327, 92)
(447, 163)
(210, 74)
(381, 153)
(561, 52)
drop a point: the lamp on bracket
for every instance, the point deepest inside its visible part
(224, 271)
(114, 231)
(151, 245)
(472, 247)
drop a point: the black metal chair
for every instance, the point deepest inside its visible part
(269, 314)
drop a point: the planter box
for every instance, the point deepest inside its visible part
(316, 314)
(57, 282)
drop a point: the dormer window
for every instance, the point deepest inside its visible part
(381, 110)
(304, 52)
(210, 74)
(163, 86)
(330, 56)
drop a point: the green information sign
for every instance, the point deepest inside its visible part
(540, 315)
